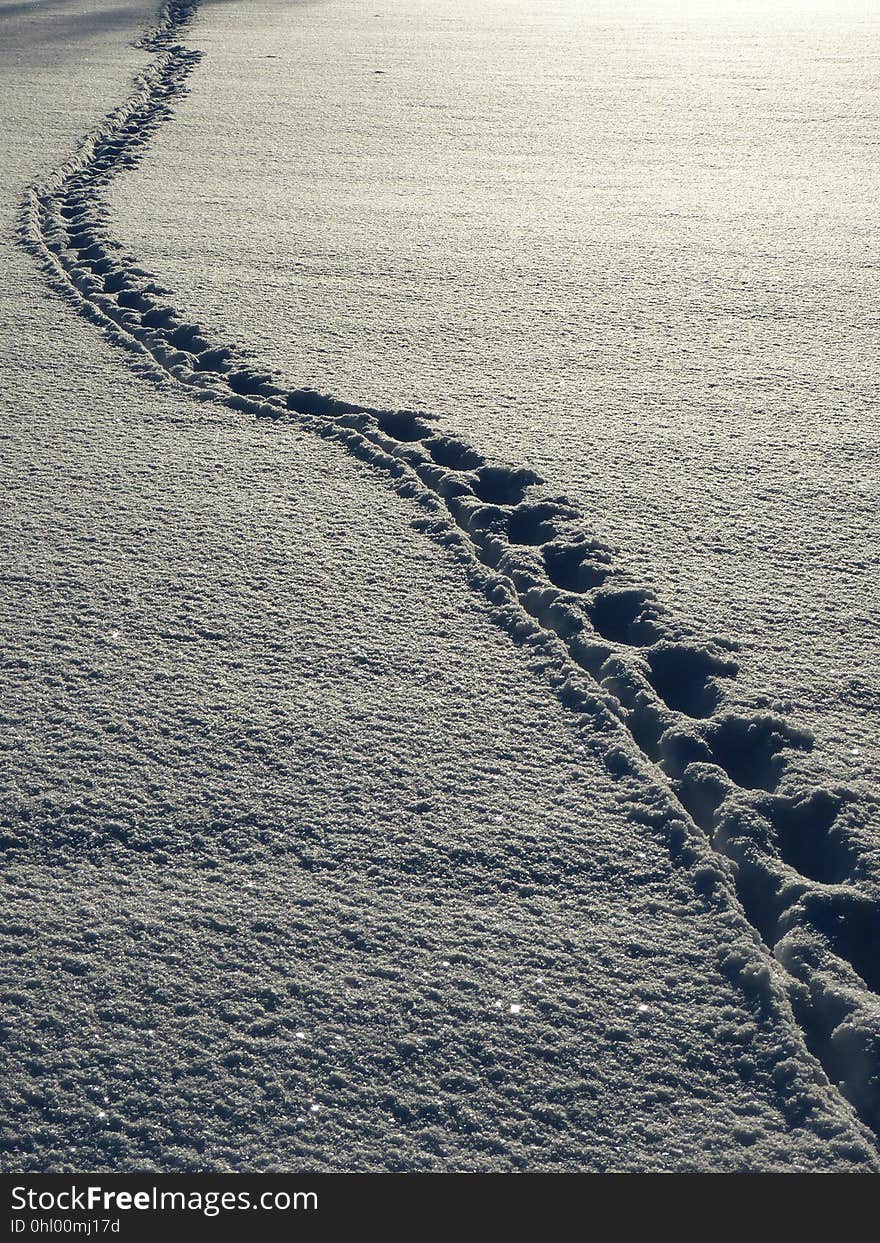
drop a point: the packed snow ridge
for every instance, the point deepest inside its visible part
(801, 860)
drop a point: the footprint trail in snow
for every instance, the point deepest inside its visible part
(802, 860)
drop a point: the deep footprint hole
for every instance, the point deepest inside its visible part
(807, 840)
(403, 425)
(217, 359)
(625, 617)
(532, 524)
(133, 300)
(188, 337)
(683, 677)
(453, 455)
(701, 793)
(246, 383)
(161, 317)
(574, 567)
(751, 750)
(115, 282)
(851, 924)
(102, 266)
(646, 724)
(500, 485)
(757, 890)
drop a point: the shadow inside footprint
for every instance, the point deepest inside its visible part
(452, 454)
(189, 337)
(647, 725)
(310, 401)
(750, 749)
(133, 300)
(403, 425)
(628, 616)
(217, 359)
(850, 922)
(102, 266)
(501, 485)
(683, 676)
(806, 838)
(576, 567)
(244, 382)
(533, 524)
(701, 792)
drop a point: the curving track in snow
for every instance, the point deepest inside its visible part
(802, 861)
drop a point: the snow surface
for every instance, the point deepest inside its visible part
(629, 246)
(309, 865)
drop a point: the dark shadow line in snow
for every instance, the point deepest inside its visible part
(610, 649)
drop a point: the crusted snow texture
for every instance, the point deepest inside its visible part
(650, 695)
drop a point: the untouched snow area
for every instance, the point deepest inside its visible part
(361, 809)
